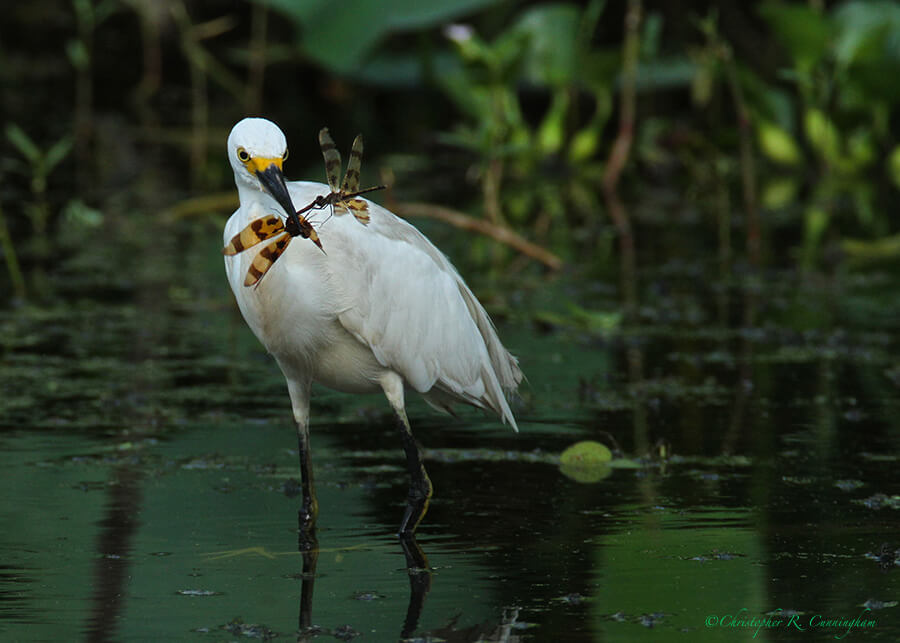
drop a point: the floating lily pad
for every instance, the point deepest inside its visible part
(586, 461)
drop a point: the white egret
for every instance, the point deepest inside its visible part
(380, 309)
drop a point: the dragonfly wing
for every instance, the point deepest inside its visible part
(264, 259)
(256, 232)
(351, 178)
(332, 159)
(360, 210)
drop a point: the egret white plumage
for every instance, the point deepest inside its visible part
(380, 309)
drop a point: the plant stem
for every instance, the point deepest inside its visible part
(619, 156)
(748, 163)
(151, 80)
(622, 145)
(493, 178)
(199, 100)
(84, 102)
(256, 72)
(499, 233)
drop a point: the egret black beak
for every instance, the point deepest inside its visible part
(272, 179)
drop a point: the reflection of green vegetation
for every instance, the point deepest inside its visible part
(673, 579)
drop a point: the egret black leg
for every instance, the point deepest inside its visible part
(419, 583)
(310, 507)
(420, 488)
(308, 546)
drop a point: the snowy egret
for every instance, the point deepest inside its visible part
(380, 309)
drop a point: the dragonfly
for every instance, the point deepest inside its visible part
(279, 233)
(343, 198)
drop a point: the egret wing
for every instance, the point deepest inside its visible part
(410, 306)
(506, 367)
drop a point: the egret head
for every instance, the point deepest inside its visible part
(256, 150)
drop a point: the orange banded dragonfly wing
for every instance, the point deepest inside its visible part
(278, 235)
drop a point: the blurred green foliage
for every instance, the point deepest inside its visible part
(341, 36)
(108, 101)
(545, 48)
(840, 60)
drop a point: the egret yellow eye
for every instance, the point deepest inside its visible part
(285, 155)
(243, 155)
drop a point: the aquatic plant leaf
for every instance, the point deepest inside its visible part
(57, 153)
(893, 165)
(587, 453)
(866, 31)
(22, 142)
(777, 144)
(779, 192)
(341, 35)
(586, 461)
(551, 55)
(822, 134)
(803, 31)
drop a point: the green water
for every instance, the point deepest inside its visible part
(146, 447)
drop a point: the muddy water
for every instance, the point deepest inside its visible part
(149, 463)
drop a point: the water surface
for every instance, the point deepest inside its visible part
(149, 474)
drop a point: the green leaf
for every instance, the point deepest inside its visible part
(341, 35)
(815, 222)
(84, 13)
(22, 142)
(586, 453)
(600, 68)
(469, 98)
(802, 30)
(866, 30)
(779, 192)
(595, 320)
(822, 135)
(704, 80)
(777, 144)
(78, 213)
(586, 461)
(651, 36)
(78, 54)
(57, 152)
(105, 9)
(586, 141)
(893, 166)
(867, 50)
(551, 131)
(551, 56)
(405, 70)
(665, 73)
(860, 149)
